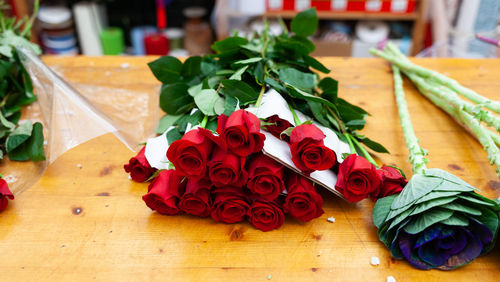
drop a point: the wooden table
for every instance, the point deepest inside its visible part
(89, 222)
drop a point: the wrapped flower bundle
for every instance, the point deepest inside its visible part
(438, 220)
(251, 132)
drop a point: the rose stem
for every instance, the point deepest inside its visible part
(265, 37)
(406, 65)
(488, 140)
(349, 141)
(416, 153)
(295, 117)
(203, 123)
(448, 95)
(365, 152)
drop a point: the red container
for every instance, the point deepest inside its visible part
(386, 6)
(156, 44)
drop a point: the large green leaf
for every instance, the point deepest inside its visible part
(426, 219)
(230, 105)
(205, 100)
(238, 73)
(441, 202)
(418, 186)
(448, 176)
(175, 99)
(19, 136)
(475, 200)
(239, 90)
(381, 209)
(456, 206)
(319, 112)
(305, 23)
(436, 194)
(166, 69)
(297, 78)
(396, 221)
(377, 147)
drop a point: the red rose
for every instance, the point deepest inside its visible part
(266, 216)
(227, 169)
(279, 125)
(308, 150)
(190, 154)
(139, 168)
(392, 182)
(196, 200)
(241, 133)
(265, 177)
(302, 201)
(357, 179)
(4, 194)
(230, 205)
(164, 192)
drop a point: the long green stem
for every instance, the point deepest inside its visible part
(449, 96)
(417, 154)
(349, 141)
(406, 65)
(488, 140)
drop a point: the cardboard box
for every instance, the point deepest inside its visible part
(328, 48)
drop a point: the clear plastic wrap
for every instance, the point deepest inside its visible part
(70, 118)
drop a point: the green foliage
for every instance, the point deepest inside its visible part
(24, 142)
(242, 69)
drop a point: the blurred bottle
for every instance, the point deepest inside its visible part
(197, 32)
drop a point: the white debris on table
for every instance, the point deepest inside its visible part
(269, 277)
(391, 279)
(374, 261)
(79, 165)
(125, 65)
(331, 219)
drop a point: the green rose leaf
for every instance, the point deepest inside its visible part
(191, 67)
(315, 64)
(297, 78)
(305, 23)
(240, 90)
(205, 101)
(175, 99)
(229, 44)
(238, 73)
(166, 69)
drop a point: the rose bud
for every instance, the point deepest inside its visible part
(265, 215)
(230, 205)
(241, 133)
(139, 168)
(190, 154)
(227, 169)
(265, 177)
(279, 125)
(164, 192)
(302, 201)
(4, 194)
(392, 182)
(308, 150)
(196, 200)
(357, 179)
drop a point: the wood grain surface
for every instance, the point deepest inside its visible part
(85, 220)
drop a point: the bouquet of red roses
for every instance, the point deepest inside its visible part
(252, 131)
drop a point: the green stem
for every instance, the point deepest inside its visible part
(367, 155)
(295, 117)
(450, 97)
(349, 141)
(406, 65)
(203, 123)
(261, 94)
(417, 154)
(488, 139)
